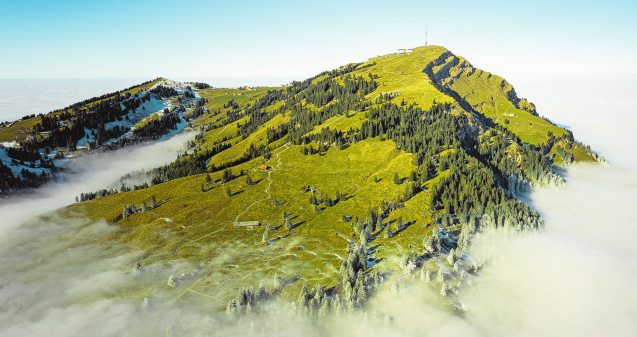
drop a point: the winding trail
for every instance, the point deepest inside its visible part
(267, 189)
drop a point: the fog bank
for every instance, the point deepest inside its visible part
(96, 172)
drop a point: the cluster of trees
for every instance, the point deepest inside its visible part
(198, 109)
(200, 85)
(186, 166)
(102, 135)
(158, 127)
(248, 301)
(94, 195)
(567, 157)
(492, 151)
(132, 209)
(27, 154)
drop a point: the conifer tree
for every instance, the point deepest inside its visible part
(287, 223)
(264, 238)
(153, 202)
(443, 290)
(208, 179)
(228, 193)
(144, 207)
(441, 275)
(451, 257)
(396, 178)
(278, 282)
(388, 232)
(248, 180)
(261, 293)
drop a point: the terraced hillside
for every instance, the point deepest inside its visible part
(361, 177)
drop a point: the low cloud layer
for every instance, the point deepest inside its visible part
(95, 172)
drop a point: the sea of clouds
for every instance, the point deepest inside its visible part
(575, 278)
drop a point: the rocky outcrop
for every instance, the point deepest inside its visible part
(447, 68)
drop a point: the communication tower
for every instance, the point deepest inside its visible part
(425, 35)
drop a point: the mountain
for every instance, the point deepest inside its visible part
(371, 175)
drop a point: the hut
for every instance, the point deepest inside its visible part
(245, 224)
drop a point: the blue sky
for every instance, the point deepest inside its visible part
(183, 39)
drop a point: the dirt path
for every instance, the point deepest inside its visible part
(267, 189)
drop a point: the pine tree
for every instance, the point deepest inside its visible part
(278, 282)
(443, 290)
(228, 193)
(287, 223)
(451, 257)
(77, 199)
(248, 180)
(171, 281)
(441, 275)
(388, 232)
(388, 321)
(144, 207)
(202, 189)
(302, 300)
(153, 202)
(312, 199)
(208, 179)
(264, 238)
(396, 178)
(261, 293)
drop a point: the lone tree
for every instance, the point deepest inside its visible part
(227, 175)
(153, 202)
(441, 275)
(443, 290)
(248, 180)
(396, 178)
(288, 224)
(228, 193)
(144, 207)
(388, 233)
(312, 199)
(126, 212)
(278, 282)
(264, 238)
(208, 179)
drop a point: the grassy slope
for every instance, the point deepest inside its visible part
(191, 223)
(487, 94)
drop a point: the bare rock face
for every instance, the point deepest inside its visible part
(470, 131)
